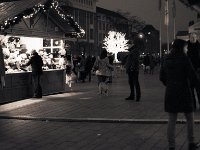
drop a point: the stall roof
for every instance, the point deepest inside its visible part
(13, 7)
(10, 9)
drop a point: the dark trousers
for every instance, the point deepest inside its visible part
(89, 74)
(36, 86)
(101, 78)
(134, 84)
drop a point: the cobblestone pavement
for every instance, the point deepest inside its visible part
(80, 119)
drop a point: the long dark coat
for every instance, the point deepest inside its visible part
(177, 74)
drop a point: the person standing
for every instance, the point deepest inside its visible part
(102, 67)
(111, 59)
(132, 69)
(177, 74)
(36, 65)
(146, 63)
(2, 68)
(88, 67)
(82, 68)
(194, 55)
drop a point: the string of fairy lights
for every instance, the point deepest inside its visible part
(50, 4)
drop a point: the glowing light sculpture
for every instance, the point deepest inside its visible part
(115, 42)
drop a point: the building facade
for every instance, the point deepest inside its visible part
(96, 22)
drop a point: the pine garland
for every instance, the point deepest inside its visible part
(31, 12)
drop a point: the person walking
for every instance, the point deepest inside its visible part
(88, 67)
(102, 67)
(82, 69)
(132, 69)
(111, 70)
(36, 65)
(152, 64)
(194, 55)
(146, 63)
(177, 74)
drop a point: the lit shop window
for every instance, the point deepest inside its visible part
(54, 54)
(17, 52)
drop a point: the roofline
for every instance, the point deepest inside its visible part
(106, 11)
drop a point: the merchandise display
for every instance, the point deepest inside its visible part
(16, 54)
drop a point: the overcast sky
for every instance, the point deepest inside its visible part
(147, 10)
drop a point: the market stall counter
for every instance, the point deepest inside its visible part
(19, 85)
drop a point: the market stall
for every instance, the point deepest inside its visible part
(42, 27)
(17, 51)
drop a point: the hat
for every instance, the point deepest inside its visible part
(34, 52)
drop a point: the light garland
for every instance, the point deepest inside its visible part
(50, 4)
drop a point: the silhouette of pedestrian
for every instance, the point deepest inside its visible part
(132, 69)
(36, 65)
(146, 63)
(177, 74)
(2, 68)
(102, 67)
(194, 55)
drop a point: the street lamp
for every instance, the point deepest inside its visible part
(141, 35)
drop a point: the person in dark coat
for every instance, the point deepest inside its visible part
(88, 67)
(2, 68)
(36, 65)
(177, 74)
(194, 55)
(132, 69)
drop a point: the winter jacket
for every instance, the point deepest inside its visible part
(36, 64)
(194, 54)
(177, 74)
(132, 61)
(103, 67)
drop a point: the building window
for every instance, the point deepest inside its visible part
(100, 26)
(104, 26)
(100, 36)
(91, 18)
(91, 34)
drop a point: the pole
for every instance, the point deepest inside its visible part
(174, 28)
(168, 39)
(167, 22)
(160, 38)
(174, 17)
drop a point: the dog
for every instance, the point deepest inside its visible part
(103, 88)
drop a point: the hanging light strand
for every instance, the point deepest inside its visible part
(31, 12)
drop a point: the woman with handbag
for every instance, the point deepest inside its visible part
(103, 70)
